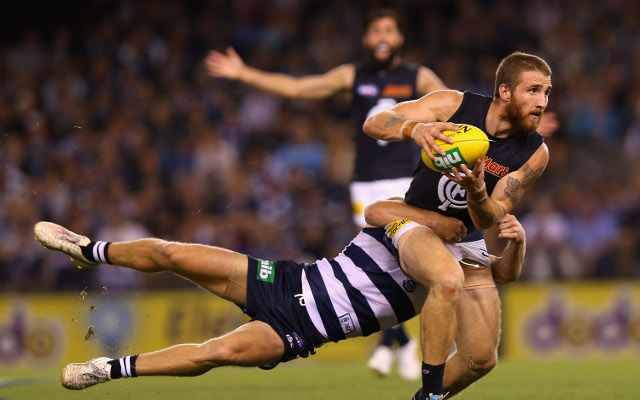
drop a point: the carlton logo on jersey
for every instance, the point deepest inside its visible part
(451, 194)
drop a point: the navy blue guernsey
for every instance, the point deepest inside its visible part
(376, 90)
(430, 190)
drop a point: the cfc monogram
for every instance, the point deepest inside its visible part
(266, 272)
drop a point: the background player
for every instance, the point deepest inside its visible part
(517, 156)
(382, 169)
(292, 309)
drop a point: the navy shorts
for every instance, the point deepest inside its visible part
(274, 296)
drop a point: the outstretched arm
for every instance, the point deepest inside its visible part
(486, 211)
(384, 212)
(507, 268)
(229, 65)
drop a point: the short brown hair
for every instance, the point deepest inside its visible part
(378, 13)
(511, 66)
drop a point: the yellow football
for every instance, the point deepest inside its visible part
(469, 144)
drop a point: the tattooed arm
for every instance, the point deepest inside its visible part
(417, 120)
(486, 211)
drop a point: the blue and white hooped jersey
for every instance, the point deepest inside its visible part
(362, 290)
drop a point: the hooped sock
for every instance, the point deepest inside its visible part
(96, 252)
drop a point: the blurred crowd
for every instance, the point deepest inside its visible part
(110, 125)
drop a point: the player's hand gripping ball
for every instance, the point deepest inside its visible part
(469, 144)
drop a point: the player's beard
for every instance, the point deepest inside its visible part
(383, 63)
(519, 119)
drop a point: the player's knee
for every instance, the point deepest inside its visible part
(218, 352)
(482, 364)
(448, 286)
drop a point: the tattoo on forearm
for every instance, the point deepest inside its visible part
(515, 188)
(487, 211)
(530, 175)
(394, 121)
(485, 217)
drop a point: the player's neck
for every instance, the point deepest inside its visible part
(388, 67)
(496, 123)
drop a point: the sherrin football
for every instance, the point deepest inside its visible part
(469, 144)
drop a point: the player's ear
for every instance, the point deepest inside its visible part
(505, 93)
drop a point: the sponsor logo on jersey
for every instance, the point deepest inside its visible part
(395, 226)
(484, 253)
(451, 194)
(298, 339)
(494, 168)
(367, 90)
(409, 285)
(346, 323)
(266, 271)
(290, 340)
(397, 91)
(452, 158)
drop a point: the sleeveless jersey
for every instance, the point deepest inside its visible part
(376, 90)
(430, 190)
(362, 290)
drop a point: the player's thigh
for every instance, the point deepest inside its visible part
(221, 271)
(478, 330)
(252, 344)
(425, 258)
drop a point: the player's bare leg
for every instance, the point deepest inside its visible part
(222, 272)
(477, 339)
(426, 259)
(252, 344)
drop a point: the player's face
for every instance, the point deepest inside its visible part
(528, 101)
(383, 40)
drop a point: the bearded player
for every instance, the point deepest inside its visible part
(382, 169)
(517, 156)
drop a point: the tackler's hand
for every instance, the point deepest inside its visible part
(451, 230)
(511, 229)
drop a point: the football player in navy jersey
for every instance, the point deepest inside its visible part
(295, 308)
(517, 156)
(382, 169)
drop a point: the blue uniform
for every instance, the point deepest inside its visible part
(376, 90)
(430, 190)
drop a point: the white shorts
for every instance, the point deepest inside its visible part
(365, 193)
(473, 253)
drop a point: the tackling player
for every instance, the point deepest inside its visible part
(382, 169)
(295, 308)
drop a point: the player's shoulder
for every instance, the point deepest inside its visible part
(446, 97)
